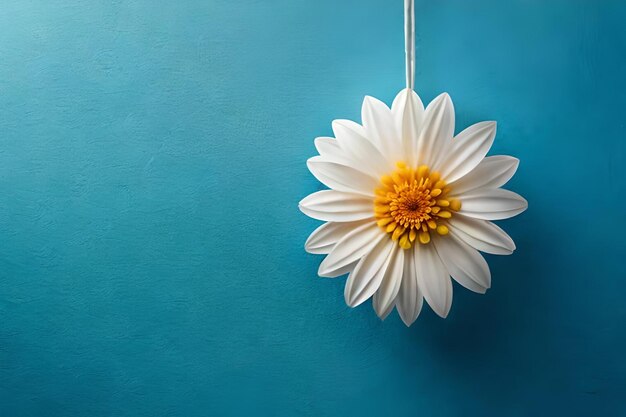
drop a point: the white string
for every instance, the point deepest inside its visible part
(409, 41)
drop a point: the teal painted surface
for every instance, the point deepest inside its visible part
(151, 252)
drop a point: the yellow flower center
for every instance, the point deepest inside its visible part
(412, 203)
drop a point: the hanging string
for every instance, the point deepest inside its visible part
(409, 41)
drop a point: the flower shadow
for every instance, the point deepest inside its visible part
(498, 342)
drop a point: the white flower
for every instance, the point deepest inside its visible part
(410, 205)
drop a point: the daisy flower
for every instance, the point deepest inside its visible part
(409, 205)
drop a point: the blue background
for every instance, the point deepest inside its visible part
(152, 155)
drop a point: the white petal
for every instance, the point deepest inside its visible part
(433, 279)
(468, 148)
(352, 247)
(408, 112)
(437, 130)
(366, 277)
(341, 177)
(345, 269)
(491, 172)
(482, 235)
(386, 294)
(337, 206)
(327, 146)
(352, 141)
(323, 239)
(492, 204)
(463, 263)
(381, 129)
(383, 314)
(330, 151)
(410, 299)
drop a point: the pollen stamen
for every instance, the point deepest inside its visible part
(412, 203)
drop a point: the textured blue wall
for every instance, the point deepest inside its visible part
(151, 252)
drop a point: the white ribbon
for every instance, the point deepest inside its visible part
(409, 41)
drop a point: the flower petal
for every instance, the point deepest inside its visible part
(352, 140)
(383, 314)
(322, 240)
(327, 146)
(337, 206)
(368, 274)
(380, 128)
(491, 172)
(410, 299)
(408, 113)
(433, 279)
(463, 263)
(386, 294)
(352, 247)
(492, 204)
(468, 148)
(482, 235)
(341, 177)
(345, 269)
(330, 151)
(437, 130)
